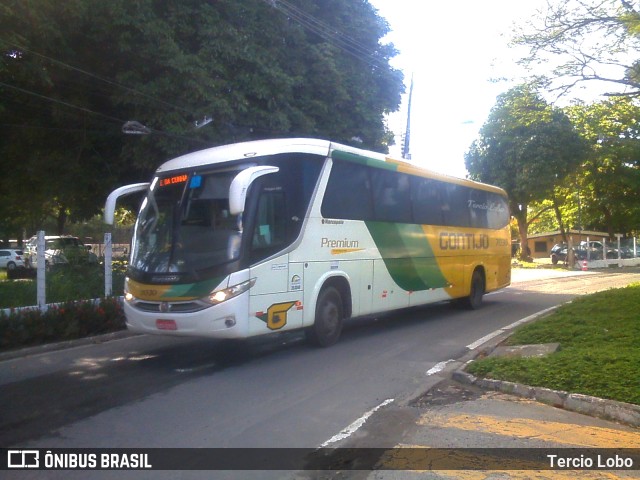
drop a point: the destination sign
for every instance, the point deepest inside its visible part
(173, 180)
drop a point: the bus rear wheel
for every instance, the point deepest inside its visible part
(329, 318)
(474, 300)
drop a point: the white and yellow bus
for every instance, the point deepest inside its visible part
(273, 235)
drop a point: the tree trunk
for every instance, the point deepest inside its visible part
(520, 213)
(556, 209)
(608, 218)
(61, 220)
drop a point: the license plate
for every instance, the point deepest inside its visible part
(166, 325)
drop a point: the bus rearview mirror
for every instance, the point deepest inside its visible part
(241, 183)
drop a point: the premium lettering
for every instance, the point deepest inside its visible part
(346, 243)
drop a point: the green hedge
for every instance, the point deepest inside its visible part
(65, 321)
(63, 283)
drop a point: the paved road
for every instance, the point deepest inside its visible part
(164, 392)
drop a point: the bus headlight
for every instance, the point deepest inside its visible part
(127, 294)
(219, 296)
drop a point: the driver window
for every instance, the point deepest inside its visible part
(270, 230)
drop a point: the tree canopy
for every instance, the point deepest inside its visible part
(527, 147)
(609, 179)
(581, 41)
(591, 44)
(73, 73)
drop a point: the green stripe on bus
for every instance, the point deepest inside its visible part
(407, 255)
(362, 160)
(193, 290)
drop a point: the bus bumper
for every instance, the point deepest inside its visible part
(225, 320)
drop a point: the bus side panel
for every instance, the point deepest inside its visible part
(455, 268)
(276, 298)
(459, 251)
(336, 248)
(387, 295)
(358, 274)
(501, 274)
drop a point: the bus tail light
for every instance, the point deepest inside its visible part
(219, 296)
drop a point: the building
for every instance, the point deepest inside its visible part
(540, 244)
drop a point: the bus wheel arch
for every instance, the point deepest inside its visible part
(332, 307)
(477, 289)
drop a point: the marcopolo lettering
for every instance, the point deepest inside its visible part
(463, 241)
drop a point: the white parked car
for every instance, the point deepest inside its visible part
(59, 249)
(11, 259)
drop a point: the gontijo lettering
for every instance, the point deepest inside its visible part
(463, 241)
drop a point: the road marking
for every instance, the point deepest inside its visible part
(204, 366)
(531, 317)
(488, 337)
(438, 367)
(351, 429)
(484, 339)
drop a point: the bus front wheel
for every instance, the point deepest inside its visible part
(327, 327)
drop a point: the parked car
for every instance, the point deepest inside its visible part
(11, 259)
(560, 251)
(626, 252)
(59, 250)
(597, 248)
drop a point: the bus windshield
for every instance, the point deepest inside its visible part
(185, 226)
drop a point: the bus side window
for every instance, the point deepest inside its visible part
(478, 208)
(456, 200)
(391, 196)
(348, 193)
(271, 227)
(429, 205)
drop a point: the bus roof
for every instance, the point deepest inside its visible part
(257, 148)
(246, 151)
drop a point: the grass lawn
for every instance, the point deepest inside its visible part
(599, 354)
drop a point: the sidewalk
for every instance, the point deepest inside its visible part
(459, 412)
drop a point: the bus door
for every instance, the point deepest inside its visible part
(276, 298)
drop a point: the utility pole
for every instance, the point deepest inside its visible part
(407, 134)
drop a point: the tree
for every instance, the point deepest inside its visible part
(609, 179)
(73, 72)
(526, 147)
(587, 41)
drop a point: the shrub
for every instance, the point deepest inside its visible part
(65, 321)
(63, 283)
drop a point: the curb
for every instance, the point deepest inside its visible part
(621, 412)
(52, 347)
(625, 413)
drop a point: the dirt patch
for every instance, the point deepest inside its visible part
(447, 392)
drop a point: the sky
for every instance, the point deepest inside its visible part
(453, 50)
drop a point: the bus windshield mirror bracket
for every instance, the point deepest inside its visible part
(241, 183)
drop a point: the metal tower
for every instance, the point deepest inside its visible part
(407, 134)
